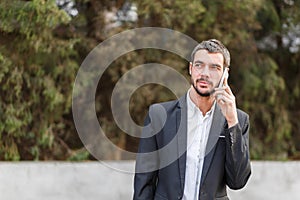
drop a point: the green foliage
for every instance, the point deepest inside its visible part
(41, 47)
(177, 15)
(81, 154)
(36, 76)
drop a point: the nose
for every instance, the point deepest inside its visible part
(205, 71)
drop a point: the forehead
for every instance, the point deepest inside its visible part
(209, 58)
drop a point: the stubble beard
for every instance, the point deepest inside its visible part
(202, 94)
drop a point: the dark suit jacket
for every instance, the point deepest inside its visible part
(161, 158)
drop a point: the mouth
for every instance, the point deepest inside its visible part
(203, 83)
(202, 88)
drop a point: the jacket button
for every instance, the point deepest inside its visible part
(179, 197)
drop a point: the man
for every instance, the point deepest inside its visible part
(191, 148)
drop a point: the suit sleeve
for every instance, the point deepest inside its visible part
(237, 164)
(146, 163)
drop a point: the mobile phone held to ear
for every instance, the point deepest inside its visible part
(224, 76)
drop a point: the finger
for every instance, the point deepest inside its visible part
(220, 100)
(217, 95)
(220, 88)
(225, 98)
(221, 92)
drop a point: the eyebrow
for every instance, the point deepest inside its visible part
(198, 61)
(215, 64)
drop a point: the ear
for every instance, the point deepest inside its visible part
(190, 68)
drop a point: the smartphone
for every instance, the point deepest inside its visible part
(224, 76)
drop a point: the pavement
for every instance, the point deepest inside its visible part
(113, 180)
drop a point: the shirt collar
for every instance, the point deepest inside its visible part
(193, 108)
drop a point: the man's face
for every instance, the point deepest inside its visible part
(206, 71)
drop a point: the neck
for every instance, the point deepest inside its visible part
(203, 103)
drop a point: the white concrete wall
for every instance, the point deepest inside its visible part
(95, 181)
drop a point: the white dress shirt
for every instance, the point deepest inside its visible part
(198, 127)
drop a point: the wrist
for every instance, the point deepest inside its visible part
(232, 123)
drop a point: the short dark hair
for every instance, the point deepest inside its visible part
(213, 46)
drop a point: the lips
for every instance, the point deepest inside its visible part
(202, 83)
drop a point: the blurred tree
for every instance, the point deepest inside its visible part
(279, 41)
(37, 69)
(44, 42)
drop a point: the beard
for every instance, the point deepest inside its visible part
(202, 94)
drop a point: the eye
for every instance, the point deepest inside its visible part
(215, 67)
(199, 65)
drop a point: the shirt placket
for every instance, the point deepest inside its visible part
(201, 131)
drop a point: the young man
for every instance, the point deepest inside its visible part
(191, 148)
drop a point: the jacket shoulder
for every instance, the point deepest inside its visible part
(243, 117)
(167, 106)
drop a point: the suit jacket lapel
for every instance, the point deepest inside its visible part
(181, 128)
(217, 126)
(215, 131)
